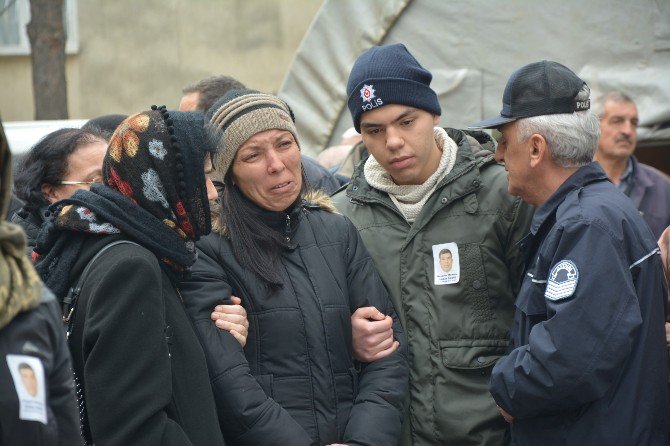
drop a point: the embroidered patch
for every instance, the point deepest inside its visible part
(367, 93)
(562, 280)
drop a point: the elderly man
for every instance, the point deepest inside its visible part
(589, 363)
(647, 187)
(425, 189)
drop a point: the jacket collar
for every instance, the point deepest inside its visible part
(466, 158)
(545, 215)
(641, 182)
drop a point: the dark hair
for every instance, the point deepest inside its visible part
(46, 163)
(104, 125)
(445, 251)
(211, 89)
(256, 246)
(25, 365)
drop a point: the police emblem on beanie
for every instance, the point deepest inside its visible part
(367, 93)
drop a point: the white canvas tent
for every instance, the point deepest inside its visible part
(472, 47)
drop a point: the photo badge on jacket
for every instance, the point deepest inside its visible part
(446, 264)
(28, 375)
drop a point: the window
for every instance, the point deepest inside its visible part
(15, 15)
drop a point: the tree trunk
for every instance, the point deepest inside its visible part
(47, 45)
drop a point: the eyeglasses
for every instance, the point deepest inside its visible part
(74, 183)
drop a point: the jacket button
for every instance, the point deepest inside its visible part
(477, 284)
(444, 200)
(481, 360)
(475, 183)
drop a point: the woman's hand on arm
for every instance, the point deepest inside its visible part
(233, 319)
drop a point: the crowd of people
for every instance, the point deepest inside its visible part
(190, 277)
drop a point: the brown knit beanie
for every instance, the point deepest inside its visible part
(239, 115)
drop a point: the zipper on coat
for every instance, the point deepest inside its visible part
(287, 230)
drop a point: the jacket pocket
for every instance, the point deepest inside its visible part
(472, 354)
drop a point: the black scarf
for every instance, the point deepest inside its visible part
(102, 211)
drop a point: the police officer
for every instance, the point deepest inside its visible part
(589, 362)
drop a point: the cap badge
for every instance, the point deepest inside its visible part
(367, 93)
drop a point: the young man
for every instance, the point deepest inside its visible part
(422, 190)
(589, 364)
(647, 187)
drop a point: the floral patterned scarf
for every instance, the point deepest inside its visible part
(154, 194)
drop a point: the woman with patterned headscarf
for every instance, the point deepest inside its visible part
(37, 399)
(136, 357)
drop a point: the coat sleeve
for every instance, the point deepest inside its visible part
(575, 355)
(62, 398)
(377, 415)
(246, 414)
(126, 358)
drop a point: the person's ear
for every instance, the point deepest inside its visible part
(537, 149)
(49, 192)
(436, 119)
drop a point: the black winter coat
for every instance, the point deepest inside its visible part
(142, 367)
(296, 381)
(39, 333)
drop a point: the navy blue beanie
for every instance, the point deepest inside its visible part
(389, 74)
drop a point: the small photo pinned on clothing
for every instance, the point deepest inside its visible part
(28, 375)
(446, 264)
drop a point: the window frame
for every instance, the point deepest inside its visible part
(23, 18)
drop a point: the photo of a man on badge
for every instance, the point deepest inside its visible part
(446, 260)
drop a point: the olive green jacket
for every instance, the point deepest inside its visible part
(457, 331)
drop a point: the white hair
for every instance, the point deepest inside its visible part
(572, 138)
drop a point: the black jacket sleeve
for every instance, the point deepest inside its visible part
(246, 414)
(62, 399)
(127, 366)
(377, 415)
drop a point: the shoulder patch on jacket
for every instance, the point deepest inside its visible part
(562, 280)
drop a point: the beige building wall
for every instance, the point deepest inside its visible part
(134, 53)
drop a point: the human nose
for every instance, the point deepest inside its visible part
(212, 194)
(499, 154)
(394, 139)
(275, 162)
(627, 128)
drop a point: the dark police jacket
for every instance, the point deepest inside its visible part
(589, 365)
